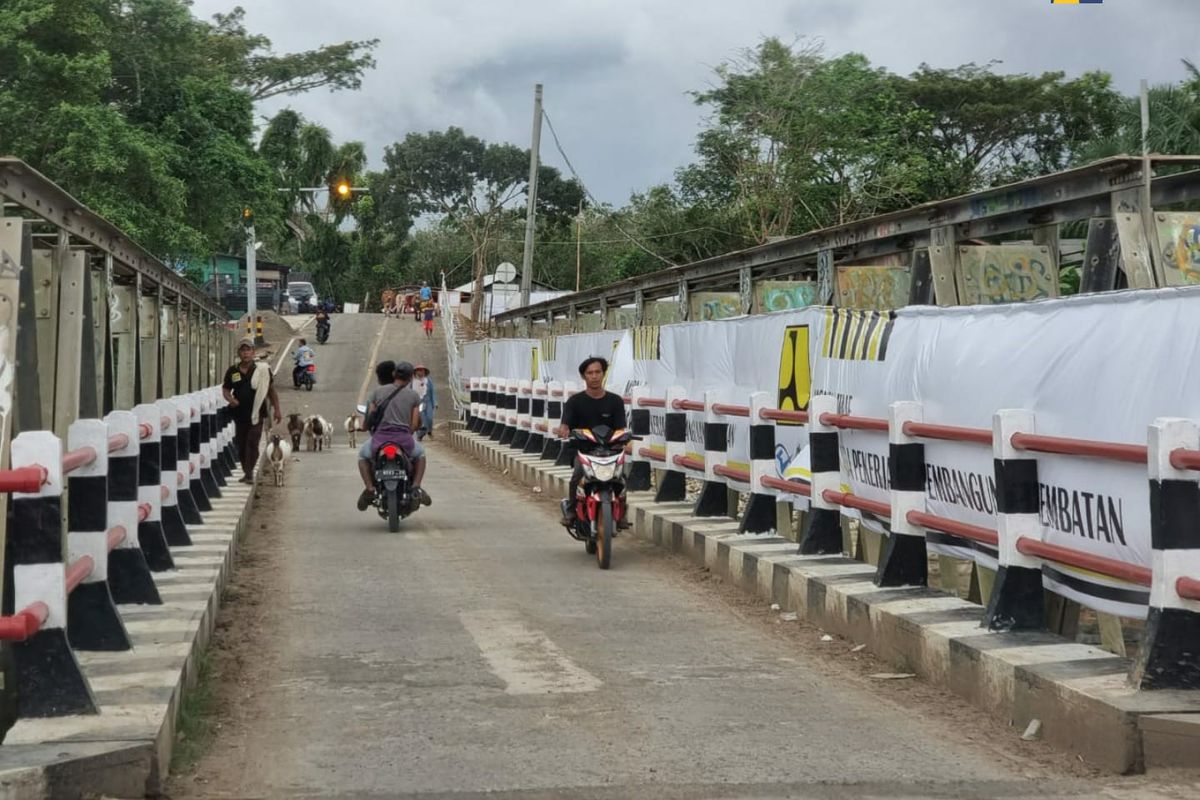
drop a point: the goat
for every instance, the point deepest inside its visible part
(326, 432)
(353, 426)
(295, 428)
(277, 455)
(314, 432)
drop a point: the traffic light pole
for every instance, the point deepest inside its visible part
(251, 276)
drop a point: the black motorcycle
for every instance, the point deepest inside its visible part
(322, 332)
(599, 503)
(394, 496)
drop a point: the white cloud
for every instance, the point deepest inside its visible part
(617, 72)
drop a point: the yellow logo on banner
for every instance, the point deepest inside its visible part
(857, 335)
(533, 365)
(645, 343)
(795, 375)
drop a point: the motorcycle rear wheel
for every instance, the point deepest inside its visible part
(393, 508)
(604, 532)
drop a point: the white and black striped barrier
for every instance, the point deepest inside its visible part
(129, 577)
(173, 463)
(714, 494)
(1169, 657)
(822, 524)
(188, 502)
(524, 417)
(210, 475)
(554, 408)
(159, 418)
(487, 421)
(672, 481)
(903, 561)
(641, 473)
(538, 428)
(566, 453)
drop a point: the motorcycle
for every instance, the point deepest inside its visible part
(394, 497)
(306, 377)
(322, 332)
(600, 499)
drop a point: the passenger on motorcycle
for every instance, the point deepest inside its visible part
(400, 417)
(592, 407)
(304, 356)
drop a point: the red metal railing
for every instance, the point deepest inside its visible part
(1061, 445)
(75, 459)
(850, 422)
(791, 487)
(117, 442)
(950, 433)
(733, 474)
(1185, 459)
(688, 462)
(78, 571)
(778, 415)
(854, 501)
(954, 527)
(116, 535)
(646, 452)
(1188, 588)
(25, 623)
(730, 411)
(1076, 558)
(24, 480)
(687, 405)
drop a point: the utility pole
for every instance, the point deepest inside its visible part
(527, 260)
(1147, 210)
(578, 244)
(251, 275)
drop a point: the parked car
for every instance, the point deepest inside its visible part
(302, 297)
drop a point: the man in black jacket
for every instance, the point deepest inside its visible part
(588, 409)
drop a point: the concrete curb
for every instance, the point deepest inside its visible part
(125, 750)
(1080, 693)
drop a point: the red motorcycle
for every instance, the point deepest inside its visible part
(600, 500)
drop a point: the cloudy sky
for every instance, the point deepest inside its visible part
(617, 72)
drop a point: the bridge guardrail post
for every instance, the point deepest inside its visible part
(524, 422)
(49, 680)
(129, 577)
(229, 455)
(152, 535)
(195, 453)
(473, 408)
(512, 393)
(822, 524)
(566, 455)
(185, 501)
(210, 475)
(640, 473)
(173, 526)
(714, 494)
(1017, 601)
(1169, 657)
(903, 561)
(92, 619)
(552, 445)
(759, 515)
(487, 399)
(672, 485)
(497, 434)
(537, 415)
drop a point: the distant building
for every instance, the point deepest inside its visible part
(225, 279)
(499, 296)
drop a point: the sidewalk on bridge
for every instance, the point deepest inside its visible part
(1078, 692)
(125, 750)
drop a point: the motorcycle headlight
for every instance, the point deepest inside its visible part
(604, 472)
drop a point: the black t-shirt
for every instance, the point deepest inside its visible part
(582, 411)
(238, 384)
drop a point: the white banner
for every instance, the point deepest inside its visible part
(562, 355)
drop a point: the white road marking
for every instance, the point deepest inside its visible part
(524, 658)
(362, 391)
(283, 354)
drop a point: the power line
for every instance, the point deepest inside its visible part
(595, 203)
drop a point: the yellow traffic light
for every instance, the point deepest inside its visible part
(247, 214)
(343, 189)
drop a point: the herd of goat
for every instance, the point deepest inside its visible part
(315, 431)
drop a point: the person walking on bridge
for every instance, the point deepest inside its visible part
(247, 387)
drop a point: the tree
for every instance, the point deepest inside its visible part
(1174, 122)
(471, 185)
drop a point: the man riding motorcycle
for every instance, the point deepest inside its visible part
(588, 409)
(401, 416)
(303, 357)
(323, 322)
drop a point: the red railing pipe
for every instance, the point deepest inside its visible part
(78, 571)
(25, 623)
(75, 459)
(945, 525)
(116, 535)
(1185, 459)
(143, 511)
(782, 485)
(1061, 445)
(730, 411)
(1188, 588)
(731, 473)
(779, 415)
(23, 480)
(1077, 558)
(854, 501)
(118, 441)
(145, 431)
(651, 402)
(688, 462)
(687, 405)
(646, 452)
(950, 433)
(850, 422)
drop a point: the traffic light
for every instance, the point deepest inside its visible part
(343, 190)
(247, 216)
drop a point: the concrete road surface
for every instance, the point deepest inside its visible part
(480, 653)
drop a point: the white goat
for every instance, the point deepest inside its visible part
(314, 432)
(327, 432)
(277, 455)
(352, 426)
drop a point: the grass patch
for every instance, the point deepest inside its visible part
(197, 722)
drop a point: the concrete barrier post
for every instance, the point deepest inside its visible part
(759, 516)
(640, 472)
(822, 524)
(554, 406)
(566, 454)
(497, 434)
(672, 487)
(473, 414)
(1017, 601)
(172, 479)
(92, 619)
(490, 409)
(152, 535)
(129, 577)
(537, 416)
(224, 436)
(524, 418)
(714, 495)
(210, 474)
(183, 460)
(49, 680)
(193, 474)
(1169, 657)
(904, 561)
